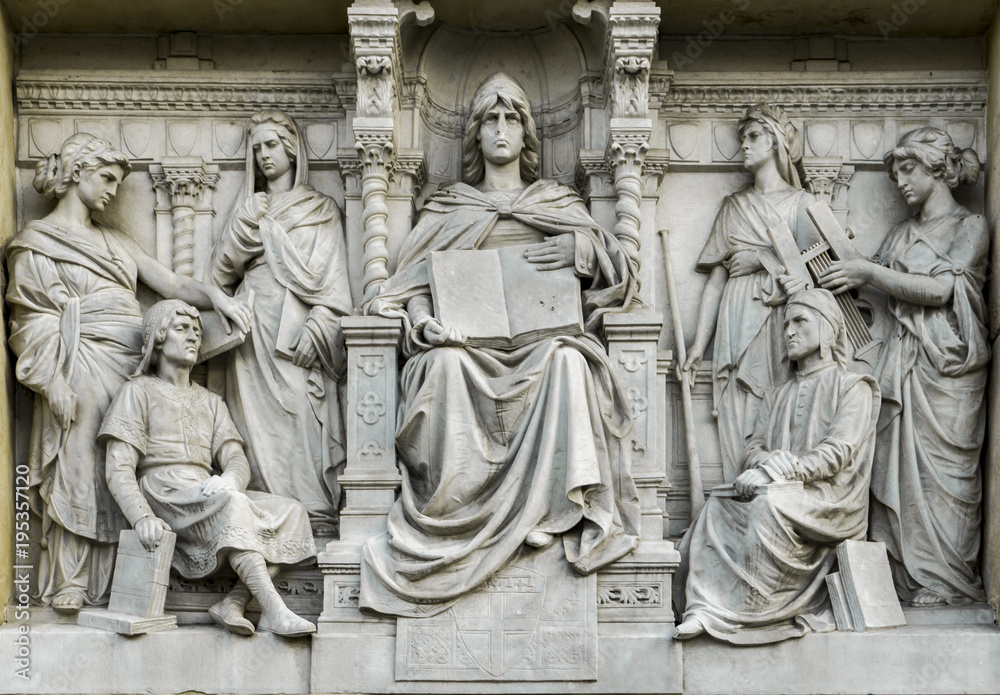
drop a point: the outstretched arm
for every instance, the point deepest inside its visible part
(169, 284)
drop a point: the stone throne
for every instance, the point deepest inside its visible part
(596, 130)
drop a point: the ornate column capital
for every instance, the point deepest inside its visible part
(184, 188)
(184, 182)
(828, 178)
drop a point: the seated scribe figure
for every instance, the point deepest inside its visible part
(754, 565)
(162, 434)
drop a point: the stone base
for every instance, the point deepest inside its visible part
(942, 650)
(125, 623)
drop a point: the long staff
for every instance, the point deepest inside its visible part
(680, 352)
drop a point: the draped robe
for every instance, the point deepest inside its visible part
(178, 433)
(754, 571)
(926, 487)
(495, 444)
(75, 316)
(290, 417)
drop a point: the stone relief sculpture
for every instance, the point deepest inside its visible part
(742, 301)
(75, 328)
(162, 434)
(285, 244)
(754, 562)
(503, 447)
(926, 487)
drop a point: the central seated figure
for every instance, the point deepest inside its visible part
(503, 447)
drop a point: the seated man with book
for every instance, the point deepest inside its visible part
(512, 431)
(755, 560)
(163, 432)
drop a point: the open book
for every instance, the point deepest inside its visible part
(496, 298)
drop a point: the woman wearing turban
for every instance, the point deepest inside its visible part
(742, 301)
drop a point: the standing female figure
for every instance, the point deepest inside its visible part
(926, 485)
(743, 301)
(285, 243)
(76, 330)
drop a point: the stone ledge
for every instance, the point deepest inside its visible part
(937, 656)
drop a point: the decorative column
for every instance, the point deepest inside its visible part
(631, 40)
(374, 27)
(184, 188)
(828, 178)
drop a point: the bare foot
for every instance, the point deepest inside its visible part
(925, 598)
(67, 602)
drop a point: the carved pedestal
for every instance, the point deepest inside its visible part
(370, 480)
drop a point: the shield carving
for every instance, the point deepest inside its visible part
(497, 626)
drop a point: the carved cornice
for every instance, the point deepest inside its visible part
(49, 91)
(799, 94)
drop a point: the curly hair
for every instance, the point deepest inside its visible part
(504, 89)
(54, 174)
(936, 151)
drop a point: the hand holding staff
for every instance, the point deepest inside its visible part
(680, 357)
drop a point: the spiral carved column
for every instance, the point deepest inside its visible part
(376, 154)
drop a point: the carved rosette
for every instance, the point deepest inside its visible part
(376, 155)
(184, 187)
(625, 157)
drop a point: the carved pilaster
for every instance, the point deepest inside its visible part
(184, 188)
(828, 179)
(370, 479)
(625, 157)
(632, 340)
(374, 28)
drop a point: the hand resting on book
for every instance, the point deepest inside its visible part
(554, 253)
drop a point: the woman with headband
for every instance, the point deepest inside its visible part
(742, 304)
(926, 487)
(285, 243)
(76, 331)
